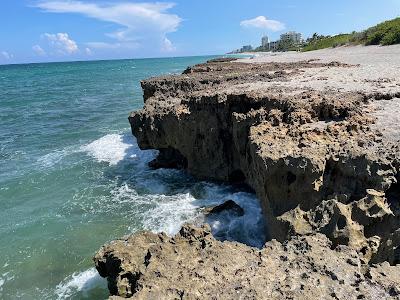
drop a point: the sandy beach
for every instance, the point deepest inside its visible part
(373, 69)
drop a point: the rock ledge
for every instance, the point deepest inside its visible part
(325, 171)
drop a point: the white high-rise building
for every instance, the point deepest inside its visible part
(264, 41)
(292, 36)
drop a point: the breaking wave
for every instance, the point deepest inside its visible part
(166, 199)
(158, 200)
(83, 283)
(113, 148)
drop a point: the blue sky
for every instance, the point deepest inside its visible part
(61, 30)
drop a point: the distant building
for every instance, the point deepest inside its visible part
(246, 48)
(265, 42)
(289, 41)
(273, 46)
(292, 37)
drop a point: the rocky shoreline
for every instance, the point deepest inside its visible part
(322, 161)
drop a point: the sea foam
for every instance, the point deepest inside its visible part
(5, 277)
(165, 208)
(114, 148)
(53, 158)
(111, 148)
(170, 212)
(82, 282)
(162, 200)
(153, 197)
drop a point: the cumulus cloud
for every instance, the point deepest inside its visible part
(61, 42)
(103, 45)
(6, 55)
(38, 50)
(262, 22)
(138, 21)
(167, 46)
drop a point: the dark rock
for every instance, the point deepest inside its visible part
(168, 158)
(228, 206)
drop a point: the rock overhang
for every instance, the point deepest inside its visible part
(315, 157)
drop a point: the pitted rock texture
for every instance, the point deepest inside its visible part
(323, 160)
(311, 156)
(193, 265)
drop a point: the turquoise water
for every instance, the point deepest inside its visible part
(72, 177)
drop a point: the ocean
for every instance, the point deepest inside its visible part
(72, 177)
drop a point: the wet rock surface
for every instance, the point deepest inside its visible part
(229, 206)
(325, 172)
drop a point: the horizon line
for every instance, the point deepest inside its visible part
(110, 59)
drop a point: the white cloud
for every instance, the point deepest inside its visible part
(103, 45)
(6, 55)
(168, 46)
(38, 50)
(61, 42)
(88, 51)
(139, 21)
(263, 23)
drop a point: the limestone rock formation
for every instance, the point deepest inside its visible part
(326, 173)
(193, 265)
(311, 156)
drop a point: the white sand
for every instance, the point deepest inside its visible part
(378, 71)
(387, 113)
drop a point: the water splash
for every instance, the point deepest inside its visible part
(82, 283)
(112, 148)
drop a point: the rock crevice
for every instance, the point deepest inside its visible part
(295, 148)
(326, 176)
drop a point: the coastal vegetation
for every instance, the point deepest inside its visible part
(385, 33)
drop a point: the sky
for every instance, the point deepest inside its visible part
(70, 30)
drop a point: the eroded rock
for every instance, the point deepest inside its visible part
(326, 176)
(306, 153)
(193, 265)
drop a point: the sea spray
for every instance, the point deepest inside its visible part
(80, 283)
(170, 206)
(113, 148)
